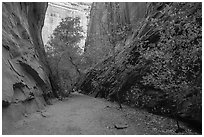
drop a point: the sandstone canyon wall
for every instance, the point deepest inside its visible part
(123, 14)
(122, 77)
(25, 75)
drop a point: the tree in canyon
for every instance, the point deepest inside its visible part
(63, 48)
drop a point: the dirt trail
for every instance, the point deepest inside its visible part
(81, 114)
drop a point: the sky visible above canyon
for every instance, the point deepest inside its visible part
(56, 11)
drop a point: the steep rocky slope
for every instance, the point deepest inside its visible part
(25, 74)
(122, 79)
(124, 14)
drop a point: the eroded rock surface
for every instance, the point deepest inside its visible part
(24, 67)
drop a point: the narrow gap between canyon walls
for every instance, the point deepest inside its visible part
(104, 68)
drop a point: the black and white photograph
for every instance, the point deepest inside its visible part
(101, 68)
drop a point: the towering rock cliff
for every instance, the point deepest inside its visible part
(141, 36)
(102, 15)
(25, 75)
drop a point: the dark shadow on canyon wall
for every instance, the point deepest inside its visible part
(26, 75)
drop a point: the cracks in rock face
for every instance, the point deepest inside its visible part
(20, 84)
(6, 47)
(19, 94)
(14, 69)
(40, 82)
(33, 73)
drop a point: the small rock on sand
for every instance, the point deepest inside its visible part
(121, 126)
(45, 114)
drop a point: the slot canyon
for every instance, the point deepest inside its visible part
(103, 68)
